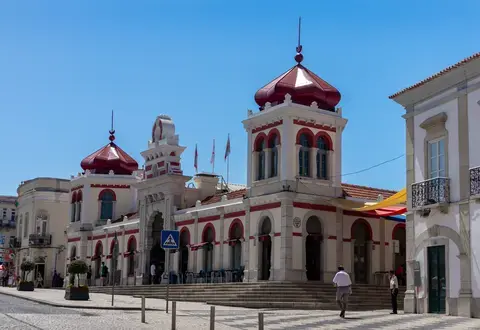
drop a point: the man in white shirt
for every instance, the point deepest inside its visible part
(153, 274)
(393, 291)
(344, 289)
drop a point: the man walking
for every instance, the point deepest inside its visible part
(393, 291)
(344, 289)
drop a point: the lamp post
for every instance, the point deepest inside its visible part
(114, 263)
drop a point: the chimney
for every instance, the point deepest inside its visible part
(207, 184)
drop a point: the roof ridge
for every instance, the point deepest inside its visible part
(368, 187)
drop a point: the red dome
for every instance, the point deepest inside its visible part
(110, 157)
(304, 87)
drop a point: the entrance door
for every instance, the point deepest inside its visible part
(39, 270)
(266, 258)
(360, 262)
(436, 279)
(312, 247)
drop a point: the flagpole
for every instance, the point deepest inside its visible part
(228, 159)
(213, 157)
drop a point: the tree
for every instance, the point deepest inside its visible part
(26, 267)
(77, 267)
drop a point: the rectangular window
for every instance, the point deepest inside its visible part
(436, 158)
(12, 218)
(4, 213)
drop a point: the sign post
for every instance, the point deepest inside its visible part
(169, 241)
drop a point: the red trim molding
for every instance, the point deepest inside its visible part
(185, 222)
(264, 207)
(313, 125)
(209, 218)
(234, 214)
(111, 186)
(297, 234)
(73, 239)
(317, 207)
(267, 126)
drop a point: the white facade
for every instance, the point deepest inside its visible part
(42, 214)
(443, 181)
(8, 222)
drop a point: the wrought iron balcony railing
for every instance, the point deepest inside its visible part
(39, 240)
(475, 181)
(431, 192)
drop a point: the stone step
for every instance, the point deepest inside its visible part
(300, 305)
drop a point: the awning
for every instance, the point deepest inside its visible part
(395, 200)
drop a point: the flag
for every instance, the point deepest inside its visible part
(227, 148)
(212, 160)
(195, 162)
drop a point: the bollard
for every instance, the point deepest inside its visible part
(260, 321)
(174, 315)
(143, 309)
(212, 317)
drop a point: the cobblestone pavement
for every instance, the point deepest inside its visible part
(17, 313)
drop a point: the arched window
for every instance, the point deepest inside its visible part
(322, 160)
(79, 205)
(260, 148)
(131, 248)
(25, 227)
(42, 222)
(73, 207)
(304, 155)
(107, 198)
(273, 145)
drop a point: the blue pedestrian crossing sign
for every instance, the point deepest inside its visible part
(169, 239)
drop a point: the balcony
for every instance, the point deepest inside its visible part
(39, 240)
(15, 243)
(475, 182)
(431, 193)
(5, 222)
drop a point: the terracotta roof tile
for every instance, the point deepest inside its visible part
(350, 190)
(438, 74)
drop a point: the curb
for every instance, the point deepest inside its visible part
(48, 303)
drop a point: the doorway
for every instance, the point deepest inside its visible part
(361, 255)
(184, 242)
(265, 242)
(39, 270)
(313, 247)
(157, 254)
(436, 279)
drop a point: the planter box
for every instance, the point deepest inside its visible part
(26, 286)
(74, 293)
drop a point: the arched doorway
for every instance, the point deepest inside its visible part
(208, 239)
(361, 233)
(313, 246)
(157, 254)
(132, 251)
(399, 253)
(235, 235)
(265, 248)
(184, 243)
(73, 253)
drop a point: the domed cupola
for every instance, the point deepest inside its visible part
(163, 128)
(303, 85)
(110, 158)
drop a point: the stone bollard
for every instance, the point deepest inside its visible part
(212, 317)
(143, 309)
(174, 315)
(260, 321)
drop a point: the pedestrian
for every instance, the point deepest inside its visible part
(153, 273)
(89, 275)
(103, 273)
(393, 291)
(39, 280)
(344, 289)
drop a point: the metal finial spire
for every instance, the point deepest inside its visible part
(299, 56)
(112, 131)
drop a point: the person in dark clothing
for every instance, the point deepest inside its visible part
(89, 275)
(393, 291)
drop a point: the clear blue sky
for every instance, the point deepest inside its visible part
(65, 64)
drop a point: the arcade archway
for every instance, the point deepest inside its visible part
(313, 248)
(361, 233)
(184, 243)
(235, 235)
(399, 251)
(157, 254)
(265, 249)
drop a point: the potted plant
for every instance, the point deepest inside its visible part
(24, 285)
(78, 292)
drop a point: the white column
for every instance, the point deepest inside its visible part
(121, 258)
(221, 249)
(313, 162)
(196, 240)
(272, 257)
(296, 164)
(336, 162)
(287, 163)
(246, 245)
(254, 165)
(250, 167)
(268, 161)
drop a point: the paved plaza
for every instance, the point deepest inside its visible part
(16, 313)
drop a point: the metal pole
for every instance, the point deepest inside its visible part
(143, 309)
(212, 317)
(260, 321)
(174, 315)
(114, 254)
(168, 281)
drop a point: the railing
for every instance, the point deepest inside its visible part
(430, 192)
(475, 181)
(39, 240)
